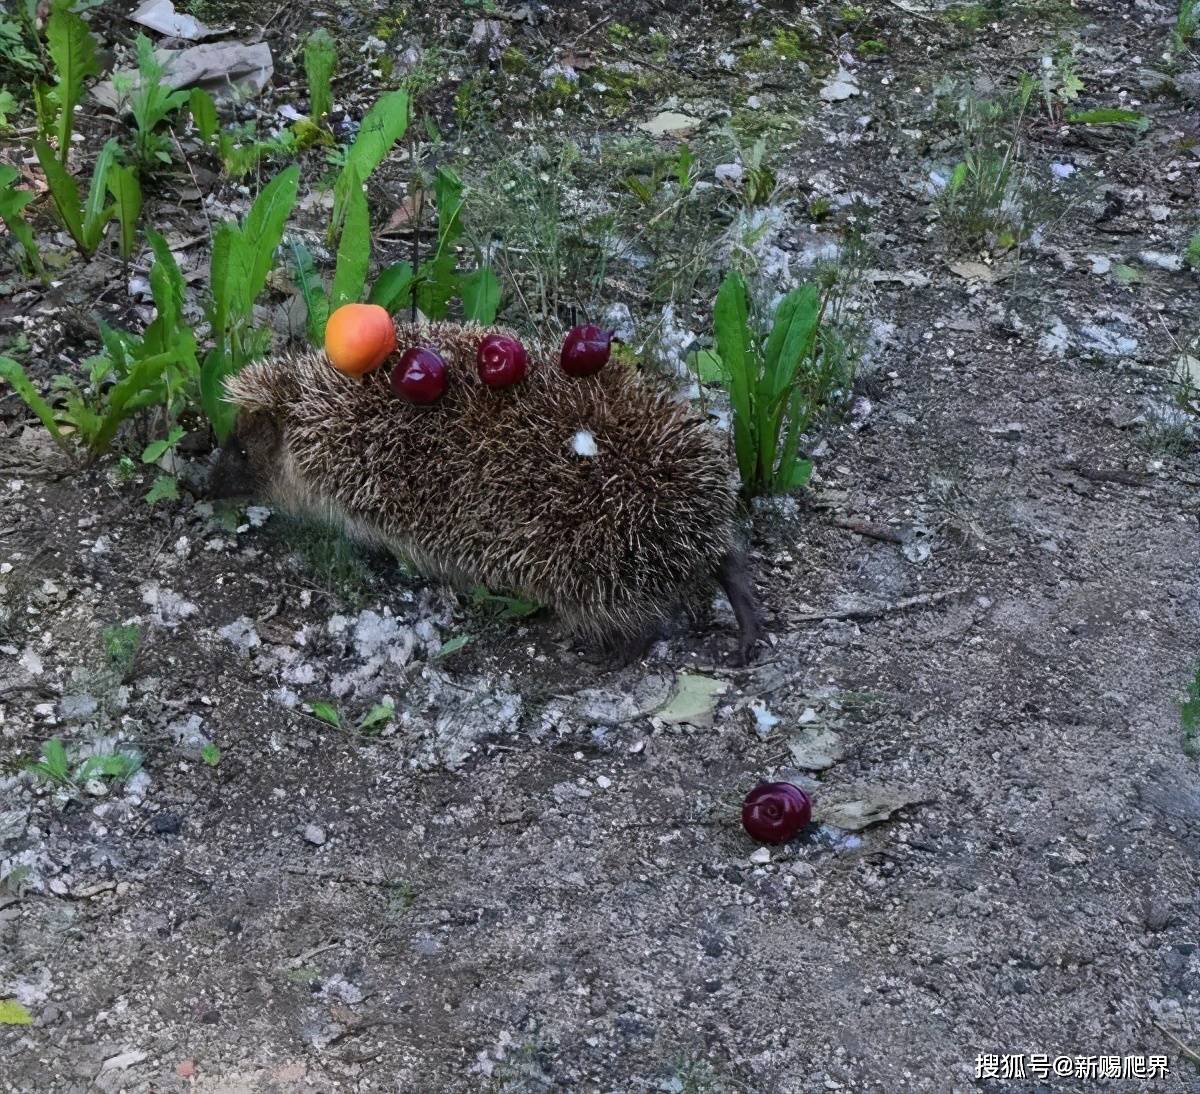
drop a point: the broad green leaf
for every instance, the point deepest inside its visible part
(481, 296)
(167, 286)
(63, 192)
(229, 272)
(8, 105)
(13, 1013)
(354, 248)
(789, 345)
(204, 114)
(155, 449)
(12, 204)
(438, 280)
(377, 715)
(1106, 116)
(123, 396)
(384, 124)
(708, 366)
(732, 324)
(327, 712)
(316, 300)
(73, 51)
(210, 754)
(127, 196)
(96, 212)
(12, 371)
(220, 412)
(393, 287)
(165, 488)
(263, 230)
(320, 59)
(453, 645)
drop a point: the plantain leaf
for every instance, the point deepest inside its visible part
(12, 202)
(393, 287)
(12, 371)
(316, 300)
(13, 1013)
(123, 184)
(327, 712)
(63, 192)
(263, 230)
(73, 51)
(384, 124)
(354, 248)
(320, 59)
(96, 213)
(481, 296)
(732, 324)
(204, 114)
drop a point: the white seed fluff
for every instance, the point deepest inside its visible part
(584, 444)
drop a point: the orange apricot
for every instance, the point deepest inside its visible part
(358, 338)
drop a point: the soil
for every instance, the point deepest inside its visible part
(533, 877)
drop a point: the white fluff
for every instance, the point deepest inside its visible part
(584, 444)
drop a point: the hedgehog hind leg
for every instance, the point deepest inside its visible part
(735, 580)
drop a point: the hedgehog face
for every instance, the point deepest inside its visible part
(245, 462)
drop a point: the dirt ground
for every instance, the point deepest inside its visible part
(533, 877)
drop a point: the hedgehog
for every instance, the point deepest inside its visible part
(603, 497)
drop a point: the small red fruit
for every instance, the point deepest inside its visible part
(586, 350)
(775, 812)
(501, 360)
(420, 375)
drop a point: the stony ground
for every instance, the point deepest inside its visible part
(982, 618)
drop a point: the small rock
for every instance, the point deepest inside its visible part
(1161, 260)
(761, 856)
(314, 834)
(842, 86)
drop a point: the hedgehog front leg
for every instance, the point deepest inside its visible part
(735, 580)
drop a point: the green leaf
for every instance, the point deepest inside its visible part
(320, 59)
(210, 754)
(438, 281)
(165, 488)
(708, 366)
(13, 1013)
(204, 113)
(213, 371)
(155, 449)
(129, 394)
(734, 346)
(63, 192)
(12, 204)
(73, 51)
(8, 105)
(354, 248)
(96, 213)
(228, 275)
(1108, 116)
(127, 196)
(327, 712)
(379, 714)
(454, 645)
(384, 124)
(263, 230)
(481, 296)
(316, 301)
(11, 371)
(393, 287)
